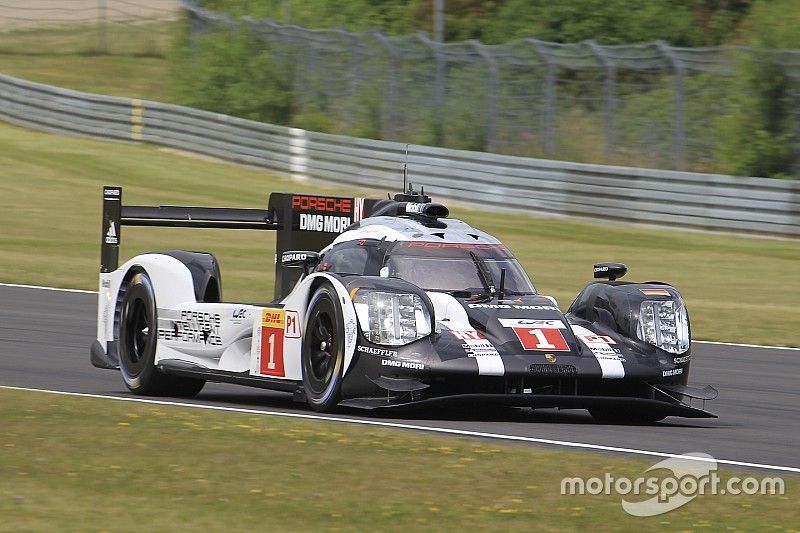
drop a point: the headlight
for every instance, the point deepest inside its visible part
(392, 318)
(664, 324)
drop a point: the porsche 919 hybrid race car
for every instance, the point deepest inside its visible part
(384, 304)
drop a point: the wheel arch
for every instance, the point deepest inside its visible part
(301, 296)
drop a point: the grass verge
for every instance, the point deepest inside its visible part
(738, 289)
(135, 65)
(136, 466)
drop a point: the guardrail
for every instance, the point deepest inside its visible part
(491, 181)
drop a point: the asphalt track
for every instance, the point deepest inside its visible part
(45, 337)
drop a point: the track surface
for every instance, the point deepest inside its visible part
(45, 338)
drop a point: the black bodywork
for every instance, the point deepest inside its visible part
(440, 368)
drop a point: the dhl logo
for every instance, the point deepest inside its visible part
(272, 319)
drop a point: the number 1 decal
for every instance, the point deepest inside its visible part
(272, 325)
(271, 360)
(549, 339)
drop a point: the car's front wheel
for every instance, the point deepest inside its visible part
(137, 338)
(323, 350)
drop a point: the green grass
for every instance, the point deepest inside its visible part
(136, 65)
(738, 289)
(140, 467)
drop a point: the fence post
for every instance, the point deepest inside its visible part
(308, 85)
(390, 90)
(610, 95)
(550, 98)
(491, 94)
(679, 133)
(102, 21)
(438, 99)
(353, 46)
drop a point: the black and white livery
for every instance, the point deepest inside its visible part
(384, 304)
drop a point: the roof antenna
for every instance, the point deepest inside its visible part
(405, 173)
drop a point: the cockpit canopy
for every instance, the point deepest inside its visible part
(434, 266)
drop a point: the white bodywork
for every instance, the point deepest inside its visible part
(263, 341)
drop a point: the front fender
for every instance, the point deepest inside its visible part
(300, 297)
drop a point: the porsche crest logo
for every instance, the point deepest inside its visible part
(550, 357)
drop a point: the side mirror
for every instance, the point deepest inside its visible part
(300, 259)
(611, 271)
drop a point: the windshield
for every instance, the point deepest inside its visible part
(470, 271)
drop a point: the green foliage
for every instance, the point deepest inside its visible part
(231, 71)
(758, 133)
(679, 22)
(746, 126)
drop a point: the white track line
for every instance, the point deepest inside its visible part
(448, 431)
(747, 345)
(59, 289)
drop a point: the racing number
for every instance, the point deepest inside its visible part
(542, 339)
(272, 342)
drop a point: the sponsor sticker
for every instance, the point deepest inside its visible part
(292, 329)
(350, 331)
(324, 223)
(322, 204)
(272, 334)
(288, 257)
(446, 245)
(681, 360)
(471, 335)
(380, 352)
(111, 234)
(606, 352)
(475, 344)
(531, 323)
(403, 364)
(589, 339)
(194, 327)
(674, 372)
(513, 306)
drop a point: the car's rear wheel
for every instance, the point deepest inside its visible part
(323, 350)
(630, 416)
(138, 326)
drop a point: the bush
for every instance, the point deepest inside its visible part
(230, 70)
(758, 133)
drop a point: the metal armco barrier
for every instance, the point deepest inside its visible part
(488, 181)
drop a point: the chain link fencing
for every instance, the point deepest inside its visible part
(484, 180)
(646, 104)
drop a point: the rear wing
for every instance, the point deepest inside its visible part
(302, 222)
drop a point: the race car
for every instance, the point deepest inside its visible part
(385, 304)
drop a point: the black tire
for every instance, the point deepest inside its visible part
(627, 416)
(323, 350)
(137, 345)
